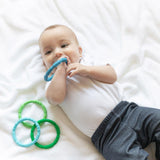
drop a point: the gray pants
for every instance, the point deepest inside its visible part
(126, 131)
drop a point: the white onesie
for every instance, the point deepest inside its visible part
(88, 102)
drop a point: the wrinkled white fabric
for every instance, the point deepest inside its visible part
(126, 33)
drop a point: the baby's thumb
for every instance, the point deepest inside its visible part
(73, 73)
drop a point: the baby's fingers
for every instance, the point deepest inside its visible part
(70, 68)
(71, 74)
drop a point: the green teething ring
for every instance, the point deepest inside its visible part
(26, 124)
(55, 140)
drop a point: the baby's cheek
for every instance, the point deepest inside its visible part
(74, 58)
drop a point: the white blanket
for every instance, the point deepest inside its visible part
(124, 32)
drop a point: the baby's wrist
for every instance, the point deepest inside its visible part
(62, 67)
(88, 70)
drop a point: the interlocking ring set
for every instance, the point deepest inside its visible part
(36, 125)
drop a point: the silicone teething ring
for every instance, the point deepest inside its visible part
(33, 140)
(55, 140)
(22, 107)
(46, 78)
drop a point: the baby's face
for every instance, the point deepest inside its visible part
(59, 42)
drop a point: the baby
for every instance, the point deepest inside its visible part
(92, 99)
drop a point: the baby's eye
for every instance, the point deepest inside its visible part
(64, 45)
(48, 52)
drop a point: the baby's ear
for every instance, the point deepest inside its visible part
(45, 65)
(80, 50)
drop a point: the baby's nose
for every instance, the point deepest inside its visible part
(58, 54)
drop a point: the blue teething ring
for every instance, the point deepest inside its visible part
(46, 78)
(14, 132)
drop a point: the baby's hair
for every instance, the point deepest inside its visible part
(59, 25)
(54, 26)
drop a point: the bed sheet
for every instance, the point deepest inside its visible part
(124, 33)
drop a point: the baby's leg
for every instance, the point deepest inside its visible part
(116, 137)
(158, 150)
(124, 146)
(147, 125)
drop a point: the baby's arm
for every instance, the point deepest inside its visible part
(56, 91)
(105, 74)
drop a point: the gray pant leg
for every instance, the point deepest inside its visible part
(116, 139)
(124, 146)
(148, 128)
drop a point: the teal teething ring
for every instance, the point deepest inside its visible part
(56, 139)
(46, 78)
(22, 107)
(33, 140)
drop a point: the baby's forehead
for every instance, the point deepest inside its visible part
(62, 31)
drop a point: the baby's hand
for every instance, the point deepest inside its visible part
(64, 56)
(63, 64)
(77, 69)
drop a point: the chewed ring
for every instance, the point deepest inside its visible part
(55, 140)
(22, 107)
(46, 78)
(33, 140)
